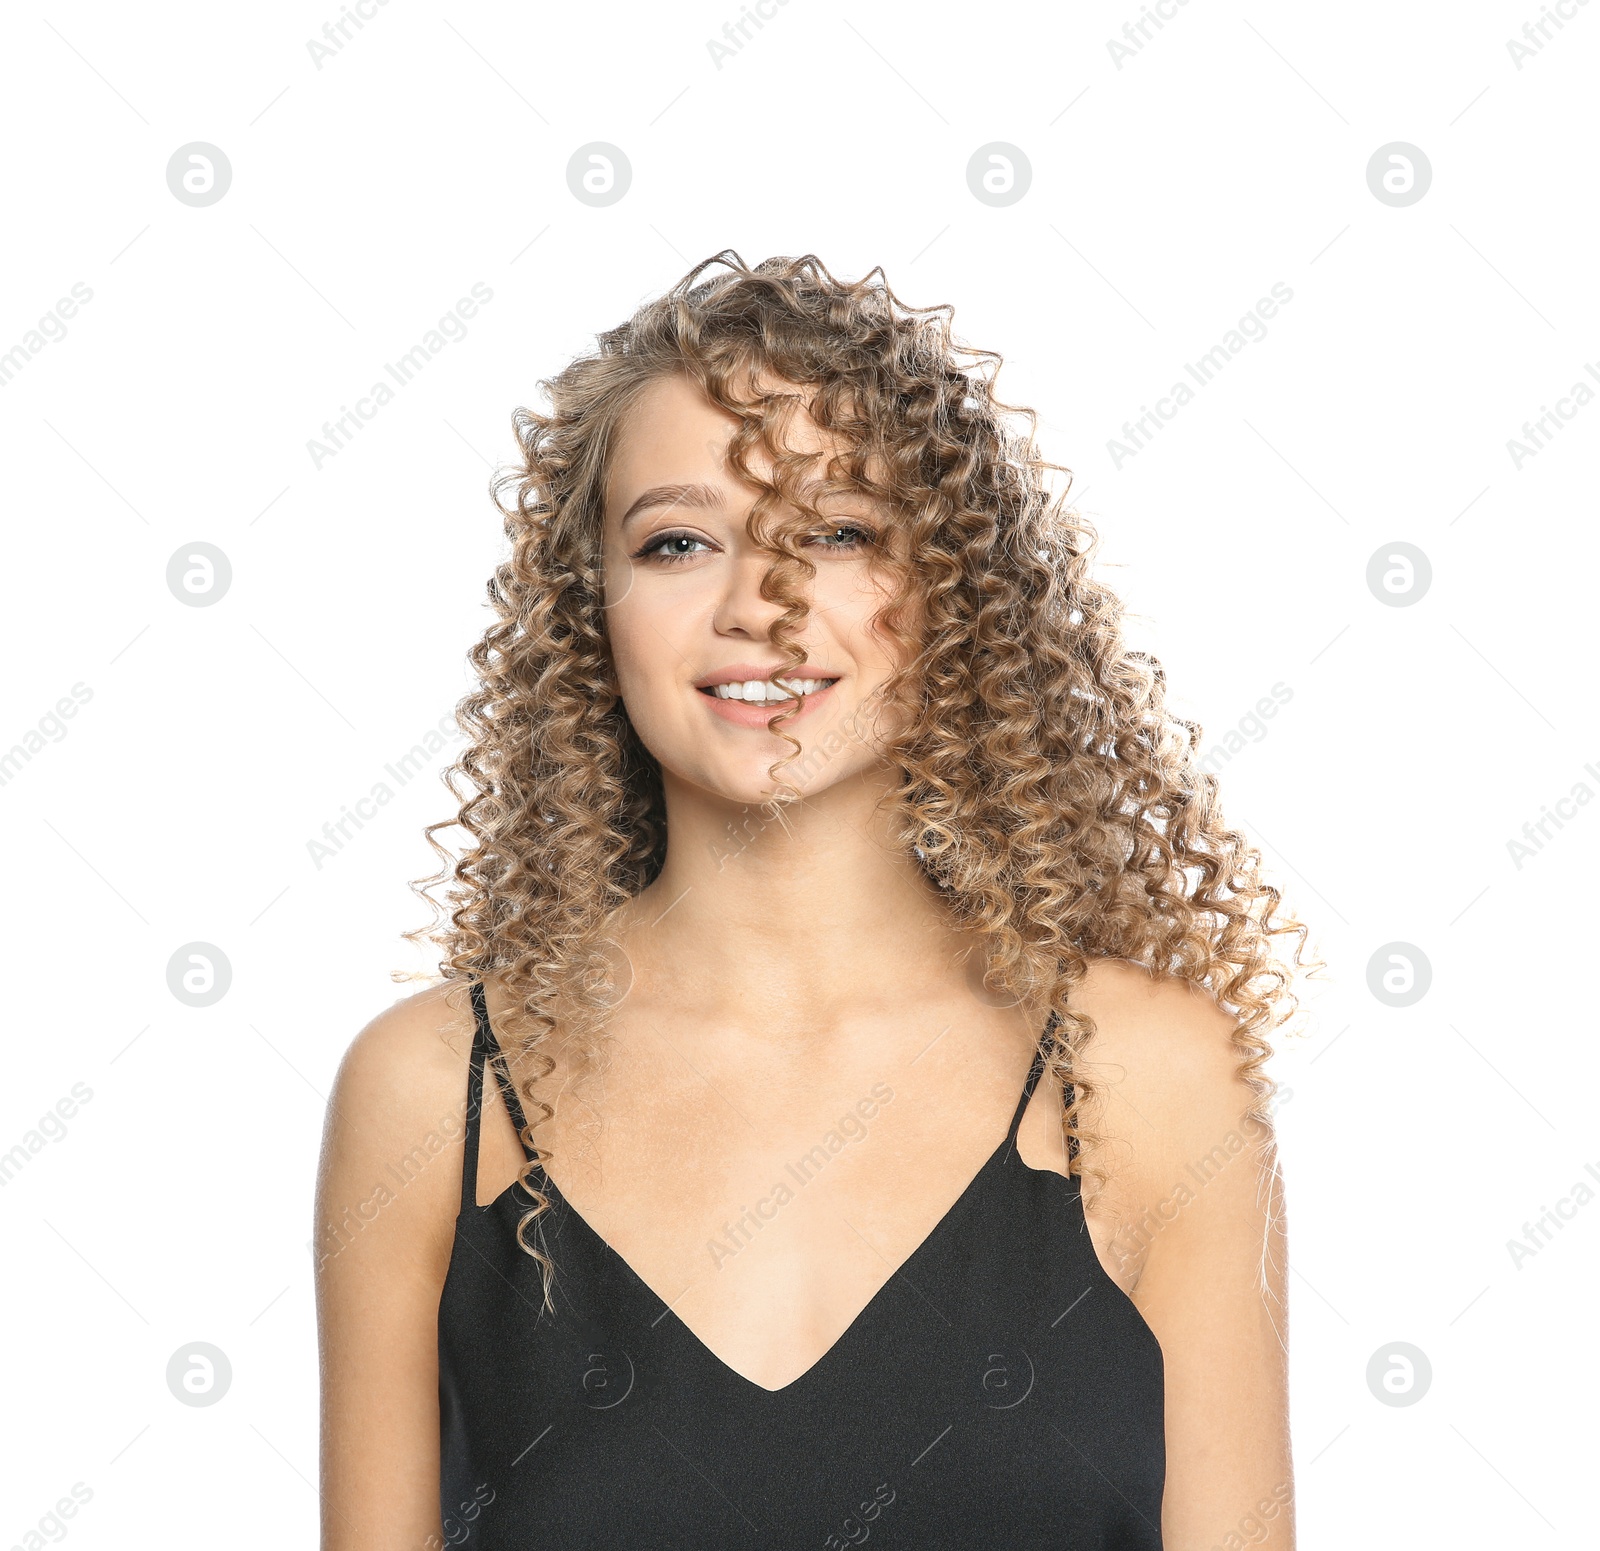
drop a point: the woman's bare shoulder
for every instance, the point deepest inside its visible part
(388, 1198)
(412, 1052)
(1164, 1057)
(398, 1109)
(1160, 1028)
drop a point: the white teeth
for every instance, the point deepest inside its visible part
(762, 689)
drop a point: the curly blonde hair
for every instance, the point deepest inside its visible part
(1043, 785)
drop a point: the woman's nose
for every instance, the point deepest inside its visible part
(741, 610)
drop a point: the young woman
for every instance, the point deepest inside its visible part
(841, 1116)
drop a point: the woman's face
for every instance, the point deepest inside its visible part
(688, 625)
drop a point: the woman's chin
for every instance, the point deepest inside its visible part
(749, 793)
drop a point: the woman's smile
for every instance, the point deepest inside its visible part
(747, 698)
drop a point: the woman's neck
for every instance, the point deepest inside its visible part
(801, 918)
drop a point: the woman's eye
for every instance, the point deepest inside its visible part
(671, 546)
(665, 548)
(846, 536)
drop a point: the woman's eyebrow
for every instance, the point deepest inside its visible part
(700, 496)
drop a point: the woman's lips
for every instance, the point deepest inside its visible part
(757, 713)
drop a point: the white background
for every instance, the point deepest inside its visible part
(430, 152)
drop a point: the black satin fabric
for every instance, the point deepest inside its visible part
(1000, 1391)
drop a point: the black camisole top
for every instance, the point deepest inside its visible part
(999, 1390)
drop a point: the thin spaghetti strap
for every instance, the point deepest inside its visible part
(469, 1160)
(1034, 1073)
(496, 1060)
(1069, 1097)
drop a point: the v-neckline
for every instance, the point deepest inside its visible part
(720, 1364)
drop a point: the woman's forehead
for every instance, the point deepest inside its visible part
(675, 436)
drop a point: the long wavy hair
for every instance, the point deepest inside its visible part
(1043, 785)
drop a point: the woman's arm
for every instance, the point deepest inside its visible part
(1204, 1183)
(387, 1195)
